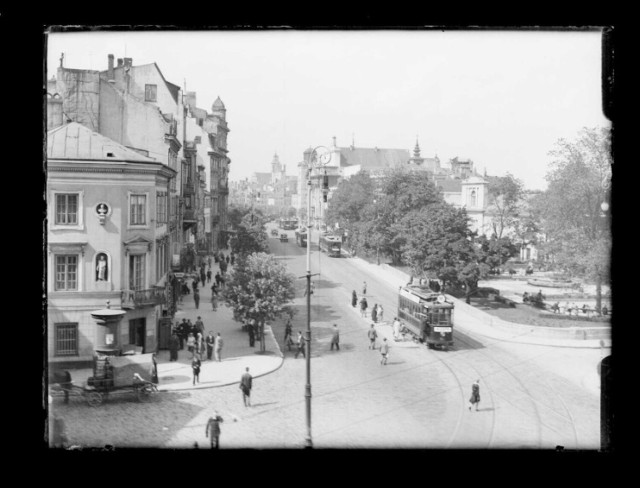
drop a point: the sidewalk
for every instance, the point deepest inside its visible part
(236, 352)
(467, 320)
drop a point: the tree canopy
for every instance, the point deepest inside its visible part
(259, 287)
(575, 221)
(250, 233)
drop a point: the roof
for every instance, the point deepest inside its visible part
(261, 178)
(373, 158)
(449, 185)
(75, 141)
(218, 104)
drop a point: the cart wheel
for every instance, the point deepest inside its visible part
(144, 393)
(94, 398)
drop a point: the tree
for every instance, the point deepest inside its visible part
(526, 227)
(250, 235)
(494, 251)
(575, 220)
(259, 288)
(505, 193)
(439, 242)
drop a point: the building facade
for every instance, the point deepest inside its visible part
(107, 241)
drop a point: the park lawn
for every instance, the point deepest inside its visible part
(526, 315)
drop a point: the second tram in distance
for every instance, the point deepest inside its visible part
(331, 245)
(426, 315)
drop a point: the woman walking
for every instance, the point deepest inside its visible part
(354, 299)
(363, 307)
(475, 395)
(191, 343)
(174, 344)
(196, 297)
(374, 313)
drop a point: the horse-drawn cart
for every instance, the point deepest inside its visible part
(113, 375)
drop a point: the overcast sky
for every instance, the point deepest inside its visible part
(500, 98)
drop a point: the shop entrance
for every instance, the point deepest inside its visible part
(138, 332)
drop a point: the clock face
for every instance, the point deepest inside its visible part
(322, 155)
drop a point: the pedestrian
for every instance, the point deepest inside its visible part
(192, 328)
(58, 432)
(196, 297)
(354, 299)
(183, 332)
(228, 259)
(384, 351)
(209, 261)
(222, 281)
(195, 365)
(364, 287)
(191, 343)
(214, 300)
(209, 275)
(363, 307)
(288, 332)
(213, 430)
(185, 288)
(174, 344)
(374, 313)
(200, 345)
(194, 283)
(396, 329)
(216, 259)
(300, 345)
(217, 278)
(372, 335)
(475, 395)
(233, 258)
(210, 341)
(218, 347)
(252, 336)
(203, 276)
(200, 325)
(246, 383)
(335, 338)
(380, 313)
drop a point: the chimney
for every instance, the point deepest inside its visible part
(334, 141)
(119, 62)
(110, 75)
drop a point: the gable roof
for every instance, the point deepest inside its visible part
(373, 158)
(75, 141)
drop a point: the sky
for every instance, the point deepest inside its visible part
(499, 98)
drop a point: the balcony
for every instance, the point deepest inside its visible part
(189, 218)
(133, 299)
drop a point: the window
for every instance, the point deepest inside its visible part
(66, 339)
(161, 208)
(136, 272)
(138, 205)
(150, 93)
(66, 209)
(473, 198)
(66, 272)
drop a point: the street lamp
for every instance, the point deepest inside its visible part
(375, 203)
(319, 157)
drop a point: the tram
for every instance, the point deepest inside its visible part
(426, 315)
(331, 245)
(288, 224)
(301, 237)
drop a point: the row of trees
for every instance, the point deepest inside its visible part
(258, 287)
(404, 217)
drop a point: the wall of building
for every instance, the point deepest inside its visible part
(80, 92)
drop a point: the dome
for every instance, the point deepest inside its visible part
(217, 105)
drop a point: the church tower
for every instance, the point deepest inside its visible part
(416, 160)
(276, 169)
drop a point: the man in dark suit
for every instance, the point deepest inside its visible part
(245, 385)
(213, 430)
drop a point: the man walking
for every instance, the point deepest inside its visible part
(200, 326)
(363, 307)
(213, 430)
(384, 351)
(335, 339)
(196, 297)
(209, 275)
(372, 334)
(475, 395)
(288, 333)
(246, 382)
(300, 345)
